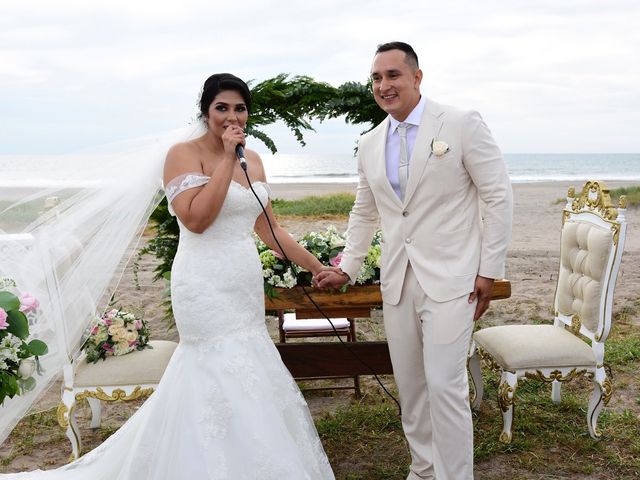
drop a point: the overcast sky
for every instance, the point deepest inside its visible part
(548, 76)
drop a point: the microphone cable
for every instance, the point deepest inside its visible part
(240, 153)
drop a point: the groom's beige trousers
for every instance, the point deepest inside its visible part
(428, 343)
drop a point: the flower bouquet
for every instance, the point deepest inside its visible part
(116, 333)
(327, 247)
(18, 356)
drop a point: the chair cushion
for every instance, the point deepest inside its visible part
(292, 324)
(534, 346)
(136, 368)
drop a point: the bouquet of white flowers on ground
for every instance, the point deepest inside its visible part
(116, 333)
(18, 356)
(327, 247)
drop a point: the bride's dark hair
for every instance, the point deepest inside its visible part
(217, 83)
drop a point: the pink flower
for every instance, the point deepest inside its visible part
(277, 255)
(28, 303)
(107, 347)
(138, 324)
(335, 261)
(133, 344)
(95, 329)
(108, 322)
(3, 319)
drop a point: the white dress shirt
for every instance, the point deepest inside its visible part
(392, 151)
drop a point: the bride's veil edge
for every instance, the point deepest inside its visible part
(69, 224)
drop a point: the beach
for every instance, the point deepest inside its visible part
(532, 267)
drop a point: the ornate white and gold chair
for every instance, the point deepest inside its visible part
(592, 241)
(121, 378)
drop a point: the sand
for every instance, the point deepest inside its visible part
(532, 269)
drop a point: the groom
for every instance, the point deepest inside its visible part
(437, 181)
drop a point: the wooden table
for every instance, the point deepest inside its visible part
(325, 359)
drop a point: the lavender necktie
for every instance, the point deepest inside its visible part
(403, 165)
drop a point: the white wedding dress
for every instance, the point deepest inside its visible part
(226, 408)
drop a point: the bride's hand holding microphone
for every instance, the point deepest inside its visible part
(234, 140)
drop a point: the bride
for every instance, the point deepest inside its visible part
(226, 408)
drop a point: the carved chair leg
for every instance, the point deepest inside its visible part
(555, 391)
(95, 406)
(506, 394)
(602, 390)
(67, 420)
(475, 370)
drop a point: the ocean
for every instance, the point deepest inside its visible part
(523, 167)
(307, 168)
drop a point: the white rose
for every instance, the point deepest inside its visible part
(337, 241)
(121, 348)
(439, 148)
(27, 368)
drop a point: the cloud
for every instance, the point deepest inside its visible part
(81, 72)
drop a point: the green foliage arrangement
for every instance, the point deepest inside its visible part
(295, 101)
(327, 247)
(18, 356)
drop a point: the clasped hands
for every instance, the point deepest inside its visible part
(330, 278)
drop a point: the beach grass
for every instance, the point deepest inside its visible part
(632, 193)
(319, 206)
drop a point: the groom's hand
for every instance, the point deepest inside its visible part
(482, 292)
(332, 277)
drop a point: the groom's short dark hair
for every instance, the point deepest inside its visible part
(411, 56)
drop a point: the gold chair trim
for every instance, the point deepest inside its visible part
(575, 325)
(489, 361)
(607, 390)
(117, 395)
(63, 419)
(622, 202)
(595, 197)
(555, 375)
(506, 396)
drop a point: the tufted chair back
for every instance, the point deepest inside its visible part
(592, 232)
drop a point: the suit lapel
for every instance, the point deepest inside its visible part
(381, 165)
(430, 126)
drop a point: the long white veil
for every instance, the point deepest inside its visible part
(68, 226)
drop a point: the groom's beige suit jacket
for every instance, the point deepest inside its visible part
(455, 220)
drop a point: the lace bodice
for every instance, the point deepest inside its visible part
(217, 265)
(190, 180)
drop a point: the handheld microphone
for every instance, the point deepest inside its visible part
(240, 155)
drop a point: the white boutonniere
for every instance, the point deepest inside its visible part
(439, 148)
